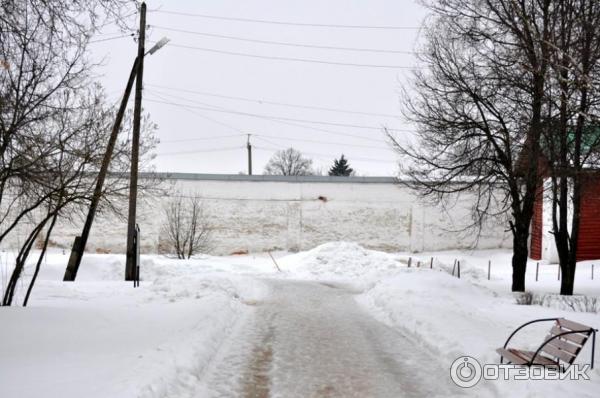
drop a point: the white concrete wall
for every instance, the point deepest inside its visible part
(270, 215)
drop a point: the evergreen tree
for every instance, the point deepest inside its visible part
(341, 168)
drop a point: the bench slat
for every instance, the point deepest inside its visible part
(510, 357)
(564, 345)
(539, 360)
(565, 323)
(555, 352)
(574, 337)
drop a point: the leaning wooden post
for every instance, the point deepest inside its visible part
(558, 271)
(409, 261)
(458, 269)
(489, 268)
(454, 267)
(537, 271)
(431, 264)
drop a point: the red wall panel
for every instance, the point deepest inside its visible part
(589, 232)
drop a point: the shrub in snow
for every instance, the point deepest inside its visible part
(556, 301)
(186, 230)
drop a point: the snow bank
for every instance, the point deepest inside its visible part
(100, 337)
(455, 317)
(341, 260)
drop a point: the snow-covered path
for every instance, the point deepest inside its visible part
(310, 339)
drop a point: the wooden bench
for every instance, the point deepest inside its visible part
(559, 349)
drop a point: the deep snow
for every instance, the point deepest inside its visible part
(193, 323)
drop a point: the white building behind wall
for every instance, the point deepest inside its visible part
(258, 213)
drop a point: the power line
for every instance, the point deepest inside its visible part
(261, 101)
(287, 123)
(185, 107)
(282, 43)
(223, 110)
(277, 58)
(326, 156)
(214, 137)
(111, 38)
(266, 21)
(340, 144)
(223, 149)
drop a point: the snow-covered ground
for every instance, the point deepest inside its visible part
(213, 326)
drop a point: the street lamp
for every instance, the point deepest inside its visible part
(159, 44)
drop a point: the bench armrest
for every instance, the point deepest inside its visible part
(528, 323)
(522, 326)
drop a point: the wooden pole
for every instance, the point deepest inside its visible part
(418, 264)
(409, 261)
(592, 271)
(135, 150)
(489, 269)
(454, 267)
(458, 269)
(558, 271)
(431, 263)
(537, 271)
(81, 241)
(249, 147)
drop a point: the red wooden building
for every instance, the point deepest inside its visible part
(542, 241)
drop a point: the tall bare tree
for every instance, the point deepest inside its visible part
(478, 101)
(54, 120)
(571, 141)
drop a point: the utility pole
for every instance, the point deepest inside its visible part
(249, 156)
(80, 241)
(135, 150)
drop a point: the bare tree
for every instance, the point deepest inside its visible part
(572, 138)
(289, 162)
(478, 101)
(54, 121)
(187, 230)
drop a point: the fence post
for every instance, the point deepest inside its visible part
(454, 267)
(409, 261)
(537, 271)
(458, 269)
(418, 264)
(592, 271)
(558, 271)
(489, 268)
(431, 264)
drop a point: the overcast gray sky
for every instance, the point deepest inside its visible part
(189, 92)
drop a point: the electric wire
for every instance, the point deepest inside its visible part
(111, 38)
(274, 22)
(208, 150)
(313, 128)
(187, 108)
(283, 43)
(284, 104)
(294, 59)
(261, 116)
